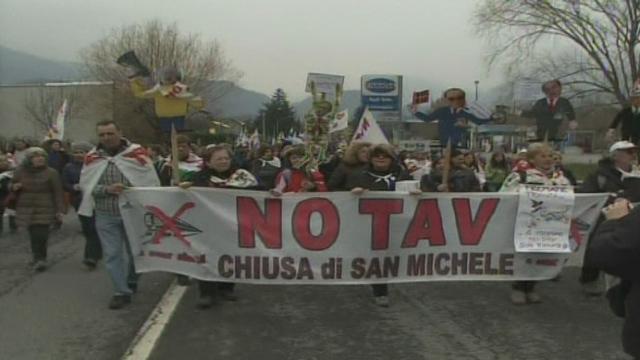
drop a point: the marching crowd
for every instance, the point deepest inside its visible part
(39, 184)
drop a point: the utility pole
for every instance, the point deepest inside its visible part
(477, 82)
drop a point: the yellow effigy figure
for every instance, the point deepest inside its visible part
(172, 98)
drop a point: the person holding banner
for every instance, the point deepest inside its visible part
(355, 159)
(453, 120)
(551, 111)
(540, 172)
(616, 174)
(219, 173)
(298, 175)
(460, 177)
(616, 250)
(381, 174)
(109, 169)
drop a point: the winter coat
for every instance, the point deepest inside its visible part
(616, 250)
(70, 178)
(266, 172)
(291, 180)
(57, 160)
(374, 180)
(460, 180)
(40, 198)
(495, 176)
(608, 179)
(342, 177)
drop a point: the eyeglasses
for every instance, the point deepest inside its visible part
(381, 155)
(454, 98)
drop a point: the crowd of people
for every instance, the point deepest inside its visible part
(39, 185)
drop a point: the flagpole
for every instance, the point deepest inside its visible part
(175, 170)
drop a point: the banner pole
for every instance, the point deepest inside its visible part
(175, 170)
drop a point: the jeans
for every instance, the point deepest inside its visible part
(39, 236)
(117, 253)
(92, 247)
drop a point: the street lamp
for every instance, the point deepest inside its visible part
(477, 82)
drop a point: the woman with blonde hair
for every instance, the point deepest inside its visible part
(355, 159)
(540, 171)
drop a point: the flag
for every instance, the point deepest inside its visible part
(368, 130)
(254, 140)
(420, 97)
(477, 110)
(340, 122)
(56, 128)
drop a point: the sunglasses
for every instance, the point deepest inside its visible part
(454, 98)
(381, 155)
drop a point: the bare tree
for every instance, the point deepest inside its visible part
(203, 63)
(42, 104)
(593, 43)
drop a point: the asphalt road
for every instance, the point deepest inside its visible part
(62, 313)
(458, 321)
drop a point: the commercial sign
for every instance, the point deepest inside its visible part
(382, 94)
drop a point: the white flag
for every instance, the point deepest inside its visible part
(340, 122)
(477, 110)
(254, 140)
(368, 130)
(56, 129)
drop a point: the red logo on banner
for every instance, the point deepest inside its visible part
(163, 225)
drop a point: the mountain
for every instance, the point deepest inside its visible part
(18, 67)
(225, 99)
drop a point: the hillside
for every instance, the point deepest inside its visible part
(18, 67)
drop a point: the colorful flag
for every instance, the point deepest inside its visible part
(368, 130)
(340, 122)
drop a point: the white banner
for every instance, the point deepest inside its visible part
(544, 219)
(331, 238)
(368, 130)
(340, 122)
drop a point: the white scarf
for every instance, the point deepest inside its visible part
(386, 178)
(133, 162)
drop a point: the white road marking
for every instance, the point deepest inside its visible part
(148, 335)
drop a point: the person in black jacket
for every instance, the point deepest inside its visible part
(629, 118)
(219, 172)
(550, 111)
(355, 159)
(616, 250)
(615, 175)
(70, 184)
(381, 174)
(266, 167)
(461, 178)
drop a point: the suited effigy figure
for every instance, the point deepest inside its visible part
(172, 99)
(551, 112)
(628, 118)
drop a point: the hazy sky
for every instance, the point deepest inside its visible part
(275, 43)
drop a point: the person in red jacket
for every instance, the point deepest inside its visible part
(298, 175)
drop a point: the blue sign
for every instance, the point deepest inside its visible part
(380, 86)
(381, 103)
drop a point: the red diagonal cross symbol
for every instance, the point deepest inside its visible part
(170, 223)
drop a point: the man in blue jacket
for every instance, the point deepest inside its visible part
(453, 120)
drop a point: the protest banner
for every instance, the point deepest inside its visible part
(368, 130)
(340, 122)
(332, 238)
(544, 219)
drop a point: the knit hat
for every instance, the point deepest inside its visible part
(31, 152)
(81, 146)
